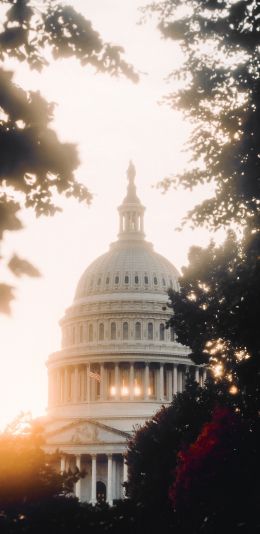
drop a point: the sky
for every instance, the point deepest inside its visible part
(111, 121)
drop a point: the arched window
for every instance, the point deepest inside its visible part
(136, 280)
(137, 330)
(101, 332)
(113, 330)
(125, 330)
(90, 332)
(163, 282)
(81, 333)
(146, 280)
(161, 332)
(155, 281)
(126, 279)
(107, 280)
(116, 279)
(150, 330)
(99, 281)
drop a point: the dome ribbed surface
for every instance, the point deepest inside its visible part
(128, 266)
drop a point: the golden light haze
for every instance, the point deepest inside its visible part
(111, 120)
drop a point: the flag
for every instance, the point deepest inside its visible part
(95, 375)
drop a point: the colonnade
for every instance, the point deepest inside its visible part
(93, 477)
(115, 381)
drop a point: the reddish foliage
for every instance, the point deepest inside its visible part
(199, 466)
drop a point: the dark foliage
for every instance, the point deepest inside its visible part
(217, 309)
(220, 93)
(216, 480)
(152, 452)
(34, 164)
(216, 312)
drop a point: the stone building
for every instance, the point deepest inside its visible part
(118, 363)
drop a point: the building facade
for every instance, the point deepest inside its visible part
(118, 363)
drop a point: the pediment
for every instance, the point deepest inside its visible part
(84, 432)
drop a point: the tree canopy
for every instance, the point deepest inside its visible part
(219, 92)
(215, 484)
(219, 86)
(34, 163)
(152, 452)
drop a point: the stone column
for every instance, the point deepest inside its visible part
(131, 381)
(161, 382)
(175, 378)
(169, 383)
(180, 379)
(125, 474)
(78, 483)
(204, 376)
(66, 384)
(125, 470)
(88, 382)
(63, 464)
(146, 381)
(109, 480)
(94, 479)
(102, 382)
(197, 374)
(117, 384)
(76, 384)
(58, 390)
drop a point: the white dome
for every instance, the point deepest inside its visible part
(129, 266)
(118, 363)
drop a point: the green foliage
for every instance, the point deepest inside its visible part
(152, 452)
(34, 163)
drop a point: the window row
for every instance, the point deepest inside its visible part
(137, 279)
(140, 331)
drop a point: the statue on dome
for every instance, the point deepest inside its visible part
(131, 172)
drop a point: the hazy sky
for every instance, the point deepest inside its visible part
(111, 121)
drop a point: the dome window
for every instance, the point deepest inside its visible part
(136, 280)
(150, 330)
(91, 283)
(107, 280)
(116, 279)
(126, 279)
(99, 282)
(146, 280)
(155, 281)
(161, 332)
(113, 330)
(138, 330)
(125, 330)
(101, 332)
(163, 282)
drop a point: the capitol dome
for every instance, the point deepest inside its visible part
(128, 266)
(118, 362)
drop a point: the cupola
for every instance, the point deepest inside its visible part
(131, 211)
